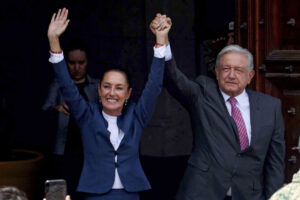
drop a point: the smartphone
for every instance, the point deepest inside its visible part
(55, 189)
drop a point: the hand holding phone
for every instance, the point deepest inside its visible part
(56, 189)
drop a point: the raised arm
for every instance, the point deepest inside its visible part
(147, 102)
(78, 106)
(179, 86)
(57, 26)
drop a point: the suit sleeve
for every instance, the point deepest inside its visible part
(78, 106)
(178, 85)
(147, 102)
(274, 165)
(53, 96)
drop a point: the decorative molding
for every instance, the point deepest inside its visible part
(283, 55)
(282, 75)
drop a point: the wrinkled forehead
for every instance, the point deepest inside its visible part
(234, 59)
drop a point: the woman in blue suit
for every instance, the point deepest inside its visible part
(110, 130)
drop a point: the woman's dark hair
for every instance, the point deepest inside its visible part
(118, 68)
(76, 44)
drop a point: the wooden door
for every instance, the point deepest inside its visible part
(292, 121)
(273, 36)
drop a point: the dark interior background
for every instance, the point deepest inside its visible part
(116, 32)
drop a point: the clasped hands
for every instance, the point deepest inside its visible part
(160, 27)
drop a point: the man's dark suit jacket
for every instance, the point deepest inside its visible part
(216, 162)
(99, 155)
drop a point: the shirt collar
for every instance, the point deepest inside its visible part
(241, 98)
(109, 117)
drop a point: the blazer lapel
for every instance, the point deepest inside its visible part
(254, 114)
(103, 123)
(125, 122)
(231, 122)
(215, 99)
(222, 109)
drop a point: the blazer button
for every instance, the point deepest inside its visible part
(116, 153)
(238, 155)
(116, 165)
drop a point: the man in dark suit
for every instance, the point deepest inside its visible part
(239, 146)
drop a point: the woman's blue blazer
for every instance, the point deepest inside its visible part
(98, 171)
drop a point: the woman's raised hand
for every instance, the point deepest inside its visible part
(58, 24)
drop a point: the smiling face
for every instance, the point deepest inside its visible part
(114, 91)
(233, 74)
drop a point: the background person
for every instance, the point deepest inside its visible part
(12, 193)
(67, 159)
(290, 191)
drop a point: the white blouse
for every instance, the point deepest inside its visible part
(116, 136)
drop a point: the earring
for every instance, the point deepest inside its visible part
(100, 99)
(125, 104)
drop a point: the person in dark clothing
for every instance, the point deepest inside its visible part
(67, 159)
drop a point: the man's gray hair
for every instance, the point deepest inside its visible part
(236, 49)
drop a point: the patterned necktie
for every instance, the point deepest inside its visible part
(240, 124)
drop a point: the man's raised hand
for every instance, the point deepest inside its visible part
(160, 27)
